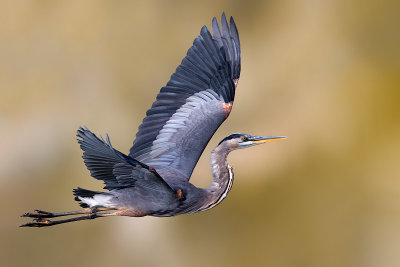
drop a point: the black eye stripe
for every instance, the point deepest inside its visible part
(232, 136)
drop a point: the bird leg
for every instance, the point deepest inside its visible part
(40, 221)
(45, 214)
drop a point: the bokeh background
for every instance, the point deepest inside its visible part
(324, 73)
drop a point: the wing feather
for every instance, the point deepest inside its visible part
(115, 169)
(190, 108)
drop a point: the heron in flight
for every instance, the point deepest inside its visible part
(153, 180)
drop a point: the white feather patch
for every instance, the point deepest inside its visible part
(98, 200)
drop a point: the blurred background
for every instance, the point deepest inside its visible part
(324, 73)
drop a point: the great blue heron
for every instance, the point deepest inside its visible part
(154, 178)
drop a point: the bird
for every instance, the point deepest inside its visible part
(153, 179)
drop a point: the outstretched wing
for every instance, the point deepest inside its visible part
(193, 104)
(115, 169)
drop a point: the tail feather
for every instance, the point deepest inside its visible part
(81, 193)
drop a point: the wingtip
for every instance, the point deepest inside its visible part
(108, 140)
(223, 16)
(82, 129)
(224, 26)
(204, 29)
(80, 132)
(232, 22)
(215, 27)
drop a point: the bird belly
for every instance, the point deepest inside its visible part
(136, 202)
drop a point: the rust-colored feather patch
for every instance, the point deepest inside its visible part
(227, 107)
(179, 194)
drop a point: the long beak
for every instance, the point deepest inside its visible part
(264, 139)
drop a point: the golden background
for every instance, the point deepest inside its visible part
(324, 73)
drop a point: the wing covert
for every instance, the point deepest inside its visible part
(193, 104)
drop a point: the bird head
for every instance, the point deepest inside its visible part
(240, 140)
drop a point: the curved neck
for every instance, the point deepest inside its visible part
(222, 176)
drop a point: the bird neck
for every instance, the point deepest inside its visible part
(222, 176)
(219, 166)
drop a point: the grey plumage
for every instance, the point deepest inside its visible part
(154, 178)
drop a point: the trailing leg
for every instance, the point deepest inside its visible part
(46, 214)
(40, 222)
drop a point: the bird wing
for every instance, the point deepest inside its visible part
(193, 104)
(115, 169)
(130, 176)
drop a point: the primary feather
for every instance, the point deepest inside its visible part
(191, 105)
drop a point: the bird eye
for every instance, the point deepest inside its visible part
(244, 138)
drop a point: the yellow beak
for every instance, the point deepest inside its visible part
(264, 139)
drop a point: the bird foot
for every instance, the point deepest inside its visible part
(38, 223)
(38, 214)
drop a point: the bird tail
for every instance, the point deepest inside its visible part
(89, 198)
